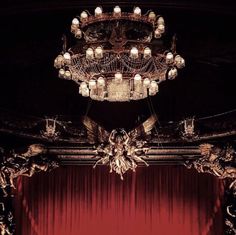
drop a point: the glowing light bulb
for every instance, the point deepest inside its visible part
(137, 78)
(84, 15)
(89, 54)
(60, 58)
(83, 85)
(152, 16)
(92, 84)
(98, 11)
(99, 52)
(59, 62)
(153, 84)
(75, 21)
(67, 58)
(161, 28)
(137, 11)
(146, 82)
(172, 74)
(160, 20)
(61, 73)
(67, 74)
(83, 89)
(134, 53)
(75, 25)
(179, 61)
(169, 58)
(117, 11)
(147, 53)
(85, 92)
(153, 89)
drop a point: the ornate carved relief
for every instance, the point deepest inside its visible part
(51, 131)
(12, 166)
(188, 128)
(220, 162)
(121, 153)
(120, 150)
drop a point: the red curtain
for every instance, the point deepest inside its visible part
(157, 200)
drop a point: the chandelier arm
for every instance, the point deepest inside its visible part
(115, 60)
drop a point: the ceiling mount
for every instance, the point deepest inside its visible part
(115, 58)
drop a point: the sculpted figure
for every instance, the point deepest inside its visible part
(221, 163)
(120, 150)
(50, 129)
(216, 161)
(25, 164)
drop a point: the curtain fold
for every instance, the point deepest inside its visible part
(157, 200)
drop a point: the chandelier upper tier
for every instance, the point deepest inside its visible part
(118, 56)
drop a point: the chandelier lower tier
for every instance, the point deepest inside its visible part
(118, 56)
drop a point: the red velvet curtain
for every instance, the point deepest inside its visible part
(157, 200)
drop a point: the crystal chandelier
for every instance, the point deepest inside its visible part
(118, 56)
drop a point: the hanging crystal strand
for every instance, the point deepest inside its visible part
(129, 56)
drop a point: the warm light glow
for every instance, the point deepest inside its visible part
(147, 53)
(137, 11)
(161, 28)
(98, 11)
(83, 89)
(99, 52)
(172, 73)
(178, 58)
(118, 58)
(134, 53)
(84, 15)
(169, 58)
(153, 84)
(92, 84)
(153, 89)
(83, 85)
(67, 56)
(152, 16)
(137, 78)
(89, 54)
(61, 73)
(75, 21)
(179, 61)
(59, 61)
(161, 21)
(85, 92)
(60, 58)
(146, 82)
(67, 74)
(117, 10)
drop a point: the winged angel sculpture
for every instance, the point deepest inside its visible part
(120, 150)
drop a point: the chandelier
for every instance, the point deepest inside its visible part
(118, 56)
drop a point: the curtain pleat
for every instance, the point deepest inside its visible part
(157, 200)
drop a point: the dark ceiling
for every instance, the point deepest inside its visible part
(31, 38)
